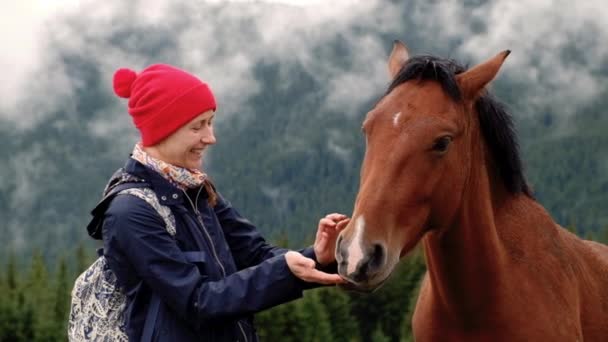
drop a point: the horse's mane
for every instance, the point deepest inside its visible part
(496, 123)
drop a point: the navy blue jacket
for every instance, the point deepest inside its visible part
(237, 274)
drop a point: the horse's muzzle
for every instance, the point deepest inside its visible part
(360, 269)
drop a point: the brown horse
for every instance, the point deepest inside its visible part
(442, 166)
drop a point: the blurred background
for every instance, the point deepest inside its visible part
(293, 80)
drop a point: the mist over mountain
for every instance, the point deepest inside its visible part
(293, 84)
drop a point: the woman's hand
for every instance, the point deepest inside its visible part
(325, 243)
(304, 268)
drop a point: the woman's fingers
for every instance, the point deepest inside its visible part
(325, 222)
(316, 276)
(342, 224)
(335, 217)
(304, 268)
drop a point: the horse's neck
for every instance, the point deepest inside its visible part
(467, 261)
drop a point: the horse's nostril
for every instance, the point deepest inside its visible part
(341, 253)
(371, 264)
(376, 258)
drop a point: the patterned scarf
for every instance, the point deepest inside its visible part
(181, 177)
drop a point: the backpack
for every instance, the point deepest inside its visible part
(98, 305)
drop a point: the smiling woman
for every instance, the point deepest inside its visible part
(180, 261)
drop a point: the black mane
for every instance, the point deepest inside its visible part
(495, 122)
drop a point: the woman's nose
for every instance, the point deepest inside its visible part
(208, 137)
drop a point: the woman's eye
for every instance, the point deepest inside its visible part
(441, 145)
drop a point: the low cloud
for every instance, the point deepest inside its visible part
(558, 50)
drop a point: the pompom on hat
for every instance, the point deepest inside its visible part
(162, 98)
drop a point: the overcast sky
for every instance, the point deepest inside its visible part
(536, 31)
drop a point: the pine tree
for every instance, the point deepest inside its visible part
(18, 326)
(337, 305)
(9, 308)
(416, 267)
(603, 235)
(312, 319)
(301, 320)
(4, 306)
(39, 296)
(11, 273)
(63, 288)
(82, 259)
(277, 324)
(407, 333)
(590, 235)
(386, 306)
(34, 309)
(379, 336)
(572, 229)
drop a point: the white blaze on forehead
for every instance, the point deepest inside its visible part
(355, 252)
(396, 117)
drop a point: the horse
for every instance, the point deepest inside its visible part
(442, 167)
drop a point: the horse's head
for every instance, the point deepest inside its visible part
(418, 156)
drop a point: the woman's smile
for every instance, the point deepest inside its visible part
(198, 151)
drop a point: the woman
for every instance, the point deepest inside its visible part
(236, 272)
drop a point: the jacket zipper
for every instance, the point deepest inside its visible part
(200, 221)
(242, 330)
(217, 259)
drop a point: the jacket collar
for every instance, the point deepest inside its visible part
(168, 194)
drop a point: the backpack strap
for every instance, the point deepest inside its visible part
(119, 181)
(150, 323)
(95, 225)
(149, 196)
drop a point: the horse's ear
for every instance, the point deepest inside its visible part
(398, 57)
(473, 81)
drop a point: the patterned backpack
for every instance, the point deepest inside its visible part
(98, 304)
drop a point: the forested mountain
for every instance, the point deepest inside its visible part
(289, 145)
(293, 85)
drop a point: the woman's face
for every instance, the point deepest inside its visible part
(185, 147)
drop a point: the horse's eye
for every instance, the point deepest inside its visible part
(441, 145)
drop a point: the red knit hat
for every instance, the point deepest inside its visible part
(162, 98)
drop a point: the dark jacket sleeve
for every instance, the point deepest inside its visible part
(247, 245)
(139, 232)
